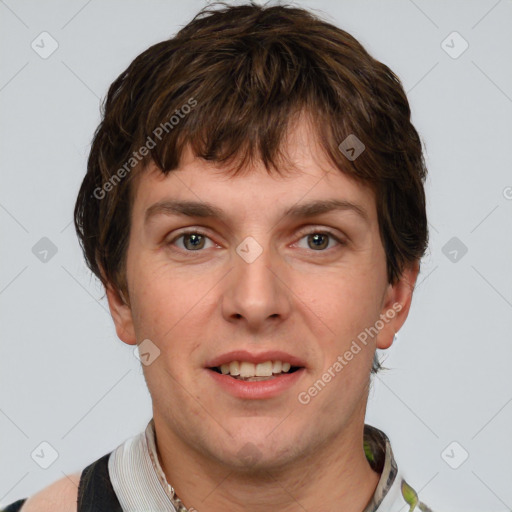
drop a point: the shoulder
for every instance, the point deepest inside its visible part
(60, 496)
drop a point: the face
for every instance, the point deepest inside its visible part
(257, 285)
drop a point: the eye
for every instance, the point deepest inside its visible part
(318, 240)
(193, 241)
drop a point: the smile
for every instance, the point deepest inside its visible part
(250, 372)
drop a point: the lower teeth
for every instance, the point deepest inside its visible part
(253, 379)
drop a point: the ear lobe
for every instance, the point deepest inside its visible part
(121, 314)
(396, 305)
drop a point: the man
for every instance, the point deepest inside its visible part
(254, 207)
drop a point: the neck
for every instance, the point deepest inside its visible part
(336, 476)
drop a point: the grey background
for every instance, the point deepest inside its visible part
(65, 377)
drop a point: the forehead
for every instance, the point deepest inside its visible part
(305, 175)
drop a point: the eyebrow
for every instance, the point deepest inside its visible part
(205, 209)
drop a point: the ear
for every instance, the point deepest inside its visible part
(396, 305)
(121, 314)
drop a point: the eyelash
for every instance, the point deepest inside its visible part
(302, 234)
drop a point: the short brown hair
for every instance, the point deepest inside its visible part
(244, 72)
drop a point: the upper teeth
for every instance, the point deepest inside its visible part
(246, 369)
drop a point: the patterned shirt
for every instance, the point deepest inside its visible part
(140, 483)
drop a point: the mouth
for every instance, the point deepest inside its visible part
(248, 375)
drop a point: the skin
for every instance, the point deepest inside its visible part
(60, 496)
(310, 302)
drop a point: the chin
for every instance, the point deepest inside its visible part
(255, 451)
(267, 432)
(251, 460)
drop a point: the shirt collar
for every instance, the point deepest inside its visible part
(379, 454)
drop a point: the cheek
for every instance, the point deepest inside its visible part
(168, 310)
(344, 302)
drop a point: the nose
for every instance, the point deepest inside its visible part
(256, 291)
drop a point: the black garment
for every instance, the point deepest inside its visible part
(95, 491)
(14, 507)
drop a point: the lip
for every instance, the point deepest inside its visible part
(255, 358)
(259, 389)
